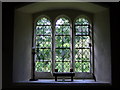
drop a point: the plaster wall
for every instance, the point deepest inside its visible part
(22, 46)
(102, 51)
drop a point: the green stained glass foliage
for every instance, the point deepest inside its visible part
(82, 45)
(78, 66)
(43, 41)
(62, 66)
(62, 55)
(62, 21)
(82, 41)
(43, 45)
(59, 66)
(62, 44)
(81, 21)
(62, 41)
(82, 30)
(82, 66)
(86, 66)
(82, 54)
(43, 66)
(43, 30)
(62, 30)
(78, 54)
(66, 67)
(43, 21)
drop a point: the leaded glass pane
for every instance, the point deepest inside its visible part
(47, 54)
(66, 54)
(58, 55)
(82, 45)
(78, 41)
(86, 66)
(82, 41)
(39, 54)
(66, 67)
(43, 21)
(43, 66)
(62, 30)
(62, 55)
(62, 41)
(59, 66)
(78, 54)
(43, 41)
(39, 30)
(81, 21)
(43, 45)
(78, 66)
(58, 40)
(86, 55)
(43, 30)
(82, 30)
(82, 54)
(63, 66)
(62, 21)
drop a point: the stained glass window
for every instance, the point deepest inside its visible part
(82, 45)
(62, 45)
(43, 45)
(63, 41)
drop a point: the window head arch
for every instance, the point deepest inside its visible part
(62, 21)
(43, 21)
(82, 19)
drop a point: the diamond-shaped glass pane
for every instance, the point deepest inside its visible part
(43, 66)
(66, 66)
(58, 40)
(66, 54)
(66, 41)
(62, 30)
(43, 54)
(62, 66)
(58, 55)
(59, 66)
(43, 30)
(43, 41)
(78, 54)
(86, 55)
(82, 54)
(39, 54)
(82, 30)
(82, 41)
(78, 41)
(86, 66)
(78, 66)
(47, 54)
(62, 41)
(62, 55)
(39, 30)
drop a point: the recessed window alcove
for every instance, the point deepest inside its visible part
(23, 40)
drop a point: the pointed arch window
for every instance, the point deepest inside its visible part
(82, 45)
(62, 45)
(43, 32)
